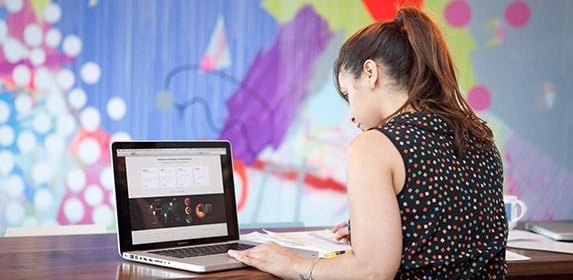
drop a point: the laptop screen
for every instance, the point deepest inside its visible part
(174, 193)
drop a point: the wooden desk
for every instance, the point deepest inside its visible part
(95, 256)
(543, 265)
(89, 256)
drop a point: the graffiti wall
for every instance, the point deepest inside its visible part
(78, 74)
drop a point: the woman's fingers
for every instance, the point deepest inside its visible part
(250, 256)
(269, 257)
(239, 255)
(339, 226)
(341, 234)
(341, 231)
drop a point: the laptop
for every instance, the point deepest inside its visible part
(557, 230)
(175, 204)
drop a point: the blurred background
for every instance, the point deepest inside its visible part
(78, 74)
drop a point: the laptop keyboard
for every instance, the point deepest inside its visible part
(203, 250)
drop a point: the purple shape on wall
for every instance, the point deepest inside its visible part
(537, 180)
(274, 87)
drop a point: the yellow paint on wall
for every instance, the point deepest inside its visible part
(347, 15)
(38, 6)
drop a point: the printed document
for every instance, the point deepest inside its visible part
(322, 241)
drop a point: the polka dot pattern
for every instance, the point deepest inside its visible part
(453, 219)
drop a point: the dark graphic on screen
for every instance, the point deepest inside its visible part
(162, 212)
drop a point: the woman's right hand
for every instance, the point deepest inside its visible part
(341, 232)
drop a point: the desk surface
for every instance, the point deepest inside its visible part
(88, 256)
(94, 256)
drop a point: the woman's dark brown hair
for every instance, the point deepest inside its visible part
(413, 52)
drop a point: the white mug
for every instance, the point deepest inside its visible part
(515, 209)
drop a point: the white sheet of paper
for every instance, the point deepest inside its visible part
(514, 257)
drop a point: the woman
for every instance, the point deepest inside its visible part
(424, 177)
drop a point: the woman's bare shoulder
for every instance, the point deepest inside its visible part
(372, 142)
(373, 151)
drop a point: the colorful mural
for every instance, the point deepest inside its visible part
(76, 75)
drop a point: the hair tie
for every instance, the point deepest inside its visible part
(399, 19)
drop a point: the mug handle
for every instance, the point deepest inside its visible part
(522, 211)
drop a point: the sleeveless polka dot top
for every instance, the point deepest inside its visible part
(452, 211)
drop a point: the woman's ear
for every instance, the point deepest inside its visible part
(371, 71)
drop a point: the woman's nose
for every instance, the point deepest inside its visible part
(352, 119)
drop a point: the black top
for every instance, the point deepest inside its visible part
(452, 210)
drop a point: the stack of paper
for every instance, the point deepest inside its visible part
(321, 241)
(528, 240)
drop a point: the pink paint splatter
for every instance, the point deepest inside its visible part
(479, 98)
(517, 14)
(458, 13)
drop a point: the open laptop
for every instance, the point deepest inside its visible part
(175, 204)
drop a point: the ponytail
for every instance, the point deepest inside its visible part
(432, 83)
